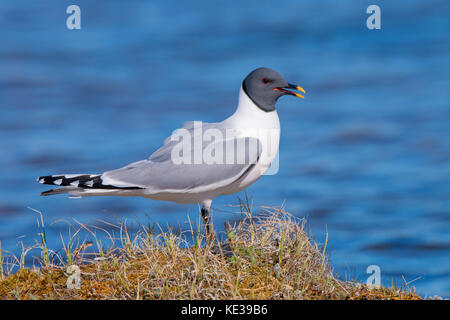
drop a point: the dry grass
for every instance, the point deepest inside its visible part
(265, 257)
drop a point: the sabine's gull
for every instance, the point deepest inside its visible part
(213, 159)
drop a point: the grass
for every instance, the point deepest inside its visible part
(269, 256)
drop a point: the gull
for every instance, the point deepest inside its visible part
(199, 161)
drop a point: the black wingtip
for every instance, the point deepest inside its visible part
(41, 179)
(82, 181)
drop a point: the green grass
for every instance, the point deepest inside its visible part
(269, 256)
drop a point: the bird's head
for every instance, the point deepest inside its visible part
(264, 86)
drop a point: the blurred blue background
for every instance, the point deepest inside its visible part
(365, 157)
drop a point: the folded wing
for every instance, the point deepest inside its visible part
(217, 161)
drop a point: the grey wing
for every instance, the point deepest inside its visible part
(223, 161)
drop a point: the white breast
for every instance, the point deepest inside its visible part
(251, 121)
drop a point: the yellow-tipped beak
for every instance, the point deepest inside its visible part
(296, 87)
(292, 86)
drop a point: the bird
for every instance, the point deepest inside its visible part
(199, 161)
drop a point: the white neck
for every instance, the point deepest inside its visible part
(248, 114)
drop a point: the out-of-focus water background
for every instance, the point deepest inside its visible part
(365, 157)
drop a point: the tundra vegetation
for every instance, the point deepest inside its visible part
(268, 255)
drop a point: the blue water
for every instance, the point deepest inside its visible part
(365, 157)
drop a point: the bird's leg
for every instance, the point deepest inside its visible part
(206, 219)
(206, 205)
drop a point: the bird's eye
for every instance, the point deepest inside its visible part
(265, 80)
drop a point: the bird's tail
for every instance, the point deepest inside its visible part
(79, 184)
(58, 191)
